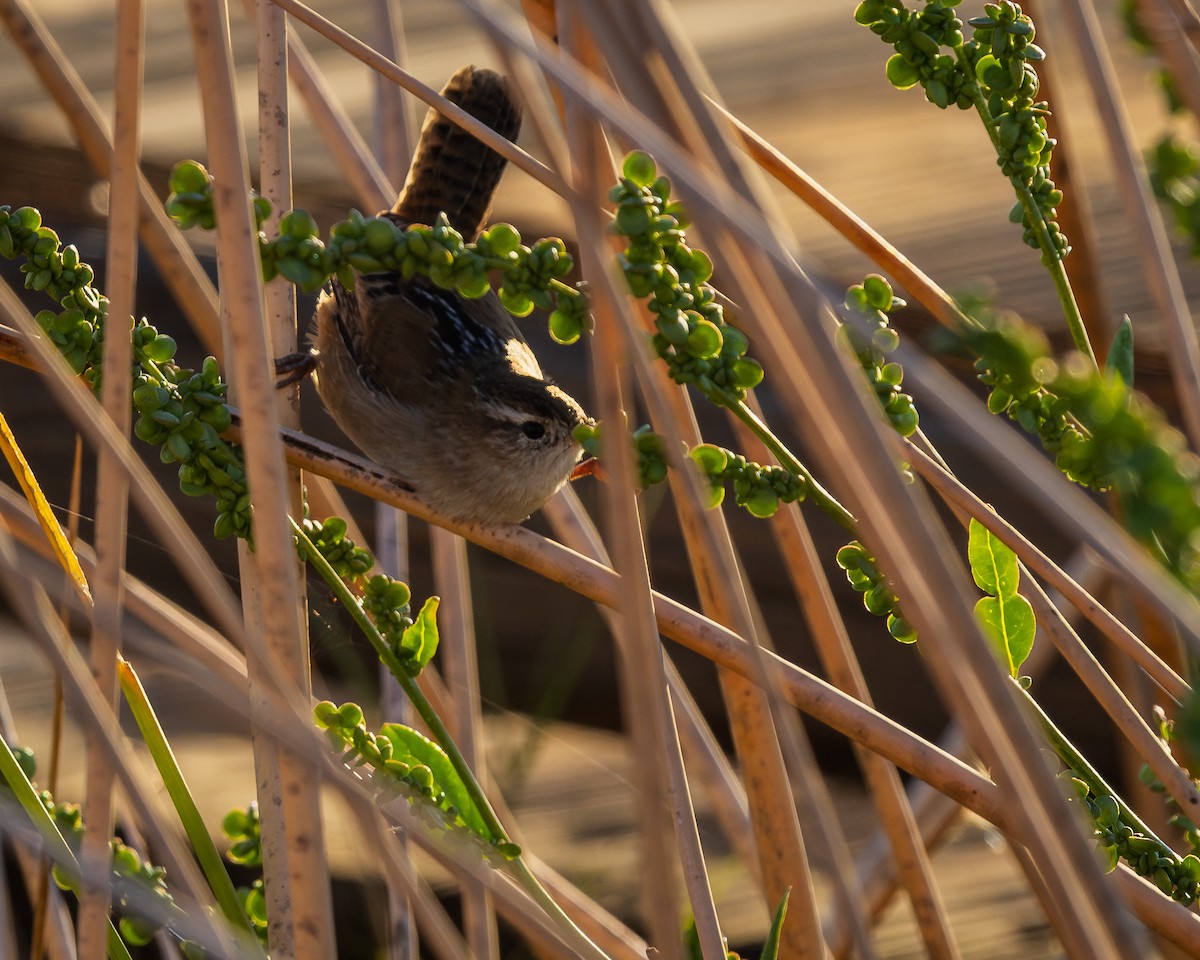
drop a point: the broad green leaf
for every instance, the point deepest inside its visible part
(993, 565)
(1010, 624)
(420, 640)
(407, 742)
(1120, 354)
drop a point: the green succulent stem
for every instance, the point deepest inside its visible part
(820, 497)
(1079, 765)
(441, 734)
(1050, 257)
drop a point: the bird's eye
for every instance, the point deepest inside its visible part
(533, 430)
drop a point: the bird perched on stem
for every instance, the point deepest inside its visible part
(442, 389)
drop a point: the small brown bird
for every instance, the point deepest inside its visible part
(442, 389)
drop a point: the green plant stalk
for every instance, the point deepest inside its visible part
(60, 850)
(1058, 272)
(1080, 767)
(821, 497)
(424, 708)
(189, 816)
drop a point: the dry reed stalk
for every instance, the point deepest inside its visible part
(763, 734)
(641, 674)
(391, 71)
(394, 122)
(112, 491)
(574, 529)
(460, 668)
(833, 645)
(1162, 21)
(1150, 238)
(691, 854)
(605, 930)
(392, 137)
(780, 846)
(374, 188)
(193, 290)
(296, 875)
(1189, 20)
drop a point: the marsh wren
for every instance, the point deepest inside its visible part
(441, 389)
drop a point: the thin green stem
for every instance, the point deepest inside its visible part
(816, 493)
(189, 815)
(517, 867)
(1078, 764)
(1050, 257)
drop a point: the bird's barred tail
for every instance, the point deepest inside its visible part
(453, 172)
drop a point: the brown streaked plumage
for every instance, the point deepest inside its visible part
(442, 389)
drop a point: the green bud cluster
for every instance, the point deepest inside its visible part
(649, 451)
(1176, 877)
(387, 603)
(869, 336)
(760, 488)
(918, 39)
(385, 599)
(183, 412)
(531, 276)
(1102, 435)
(180, 410)
(993, 71)
(392, 763)
(348, 560)
(757, 487)
(48, 266)
(128, 867)
(691, 334)
(244, 829)
(1014, 360)
(866, 577)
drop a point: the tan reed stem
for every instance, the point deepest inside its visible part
(112, 491)
(460, 670)
(641, 672)
(295, 875)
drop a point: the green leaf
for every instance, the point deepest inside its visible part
(771, 946)
(993, 565)
(1120, 354)
(1011, 626)
(900, 73)
(420, 640)
(1006, 616)
(411, 747)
